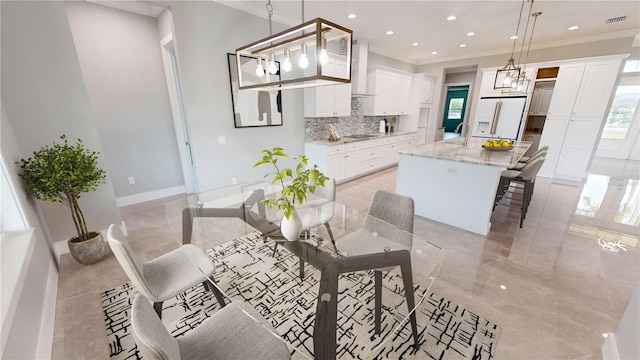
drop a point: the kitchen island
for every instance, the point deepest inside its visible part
(453, 183)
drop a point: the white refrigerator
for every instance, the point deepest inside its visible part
(499, 117)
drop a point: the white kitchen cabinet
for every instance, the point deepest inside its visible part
(391, 93)
(540, 100)
(486, 86)
(347, 161)
(427, 83)
(330, 100)
(578, 108)
(566, 90)
(594, 94)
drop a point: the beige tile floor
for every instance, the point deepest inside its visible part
(549, 285)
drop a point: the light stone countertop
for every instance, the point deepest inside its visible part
(346, 139)
(453, 150)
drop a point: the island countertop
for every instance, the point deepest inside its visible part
(473, 153)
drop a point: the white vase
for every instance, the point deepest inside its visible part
(291, 228)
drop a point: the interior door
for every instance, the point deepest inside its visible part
(456, 105)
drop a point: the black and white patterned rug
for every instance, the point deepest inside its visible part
(446, 330)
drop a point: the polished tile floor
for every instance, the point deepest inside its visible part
(550, 285)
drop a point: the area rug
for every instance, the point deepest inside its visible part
(245, 271)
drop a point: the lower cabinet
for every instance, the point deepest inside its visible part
(347, 161)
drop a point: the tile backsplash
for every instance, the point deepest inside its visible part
(355, 124)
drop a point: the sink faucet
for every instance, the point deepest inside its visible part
(466, 135)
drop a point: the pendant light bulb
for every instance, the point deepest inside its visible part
(273, 68)
(323, 52)
(259, 69)
(303, 62)
(286, 64)
(507, 81)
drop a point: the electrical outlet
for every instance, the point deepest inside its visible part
(234, 181)
(452, 171)
(132, 180)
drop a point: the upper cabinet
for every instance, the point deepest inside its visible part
(330, 100)
(541, 98)
(566, 89)
(427, 83)
(391, 91)
(594, 94)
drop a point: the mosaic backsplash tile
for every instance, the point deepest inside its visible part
(355, 124)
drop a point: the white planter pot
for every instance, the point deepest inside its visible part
(291, 228)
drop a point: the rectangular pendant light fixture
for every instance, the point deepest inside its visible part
(315, 53)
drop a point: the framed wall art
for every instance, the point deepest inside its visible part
(253, 108)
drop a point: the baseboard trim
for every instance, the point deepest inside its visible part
(47, 323)
(148, 196)
(610, 348)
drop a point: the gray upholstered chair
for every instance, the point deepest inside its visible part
(527, 177)
(542, 151)
(228, 334)
(166, 276)
(385, 208)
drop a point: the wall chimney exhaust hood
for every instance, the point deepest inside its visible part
(359, 68)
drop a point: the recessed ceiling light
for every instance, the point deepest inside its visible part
(463, 45)
(415, 44)
(352, 16)
(470, 33)
(503, 287)
(451, 17)
(434, 53)
(513, 37)
(390, 32)
(574, 27)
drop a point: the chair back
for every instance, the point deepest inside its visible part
(328, 191)
(128, 261)
(395, 209)
(152, 338)
(530, 171)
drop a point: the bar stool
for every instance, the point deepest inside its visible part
(525, 159)
(526, 177)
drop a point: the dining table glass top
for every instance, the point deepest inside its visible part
(336, 292)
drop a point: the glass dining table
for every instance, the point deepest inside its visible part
(352, 285)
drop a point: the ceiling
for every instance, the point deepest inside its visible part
(424, 22)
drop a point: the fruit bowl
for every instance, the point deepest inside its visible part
(497, 148)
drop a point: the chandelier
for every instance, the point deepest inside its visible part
(314, 53)
(510, 72)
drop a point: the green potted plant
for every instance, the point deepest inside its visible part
(392, 123)
(61, 173)
(294, 191)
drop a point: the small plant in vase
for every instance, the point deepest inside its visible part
(294, 192)
(392, 123)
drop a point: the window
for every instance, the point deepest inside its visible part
(623, 108)
(12, 217)
(631, 66)
(455, 108)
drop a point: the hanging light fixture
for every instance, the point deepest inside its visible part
(523, 81)
(296, 56)
(510, 72)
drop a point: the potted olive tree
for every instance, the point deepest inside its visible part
(61, 173)
(294, 191)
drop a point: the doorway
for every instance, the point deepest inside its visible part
(179, 119)
(455, 107)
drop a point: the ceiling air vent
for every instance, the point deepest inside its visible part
(616, 19)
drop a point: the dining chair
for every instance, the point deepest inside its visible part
(230, 333)
(385, 208)
(319, 210)
(522, 162)
(166, 276)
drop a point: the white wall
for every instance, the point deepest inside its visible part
(120, 58)
(204, 33)
(32, 324)
(44, 95)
